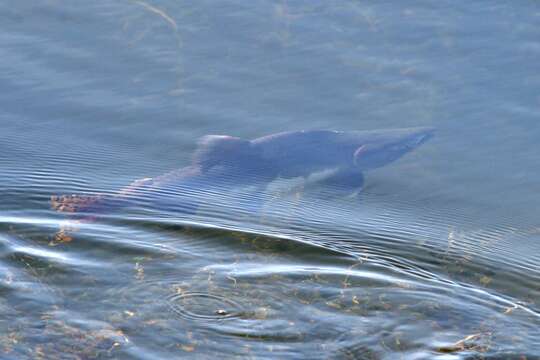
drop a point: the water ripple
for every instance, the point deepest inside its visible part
(204, 306)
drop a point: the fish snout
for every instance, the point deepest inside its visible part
(420, 136)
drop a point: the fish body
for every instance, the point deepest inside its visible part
(221, 163)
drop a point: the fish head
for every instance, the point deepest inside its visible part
(382, 147)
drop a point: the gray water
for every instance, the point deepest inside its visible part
(436, 258)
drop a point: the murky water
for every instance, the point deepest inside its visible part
(437, 257)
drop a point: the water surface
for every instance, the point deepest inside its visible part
(437, 257)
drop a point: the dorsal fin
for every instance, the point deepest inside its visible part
(219, 149)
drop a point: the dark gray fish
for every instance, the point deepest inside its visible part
(221, 163)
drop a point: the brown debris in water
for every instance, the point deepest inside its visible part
(468, 343)
(64, 235)
(61, 237)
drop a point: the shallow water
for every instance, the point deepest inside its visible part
(436, 258)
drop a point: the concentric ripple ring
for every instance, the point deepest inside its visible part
(204, 306)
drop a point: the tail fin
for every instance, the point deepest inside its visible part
(82, 207)
(77, 204)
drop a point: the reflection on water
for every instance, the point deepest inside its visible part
(382, 283)
(433, 256)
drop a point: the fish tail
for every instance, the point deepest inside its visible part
(76, 204)
(80, 209)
